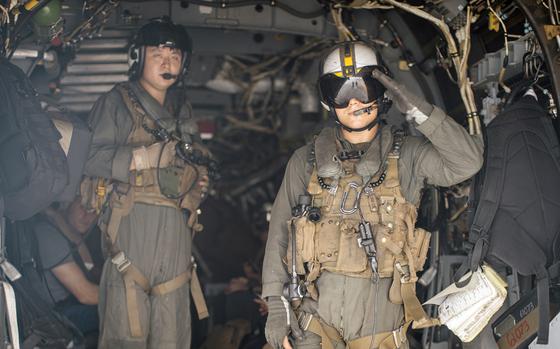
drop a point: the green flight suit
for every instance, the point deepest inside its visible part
(448, 155)
(155, 238)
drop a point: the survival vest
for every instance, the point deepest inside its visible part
(33, 167)
(149, 186)
(333, 241)
(517, 196)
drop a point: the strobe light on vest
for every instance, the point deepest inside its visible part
(314, 214)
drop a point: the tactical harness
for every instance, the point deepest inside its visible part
(396, 250)
(144, 187)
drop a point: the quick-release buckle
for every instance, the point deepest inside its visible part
(476, 229)
(121, 262)
(404, 271)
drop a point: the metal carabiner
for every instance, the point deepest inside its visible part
(343, 210)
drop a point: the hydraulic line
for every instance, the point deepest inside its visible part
(506, 47)
(465, 88)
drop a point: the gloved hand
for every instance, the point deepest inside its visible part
(149, 157)
(414, 107)
(281, 320)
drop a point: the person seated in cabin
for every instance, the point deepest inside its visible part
(67, 264)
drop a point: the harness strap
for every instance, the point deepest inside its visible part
(120, 207)
(132, 277)
(413, 309)
(328, 333)
(383, 340)
(543, 289)
(130, 280)
(171, 285)
(198, 296)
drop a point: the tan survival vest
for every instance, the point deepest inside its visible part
(331, 243)
(143, 187)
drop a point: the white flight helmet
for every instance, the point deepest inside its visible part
(346, 74)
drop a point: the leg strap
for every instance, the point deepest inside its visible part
(328, 333)
(384, 340)
(132, 277)
(198, 296)
(171, 285)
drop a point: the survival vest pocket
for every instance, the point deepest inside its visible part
(351, 258)
(419, 244)
(305, 233)
(387, 249)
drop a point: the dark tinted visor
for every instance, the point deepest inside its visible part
(338, 91)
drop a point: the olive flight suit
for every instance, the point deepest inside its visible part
(153, 235)
(355, 305)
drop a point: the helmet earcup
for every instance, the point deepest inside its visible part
(135, 60)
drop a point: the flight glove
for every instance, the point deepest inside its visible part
(280, 322)
(415, 108)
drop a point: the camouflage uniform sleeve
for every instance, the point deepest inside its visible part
(450, 155)
(293, 185)
(109, 156)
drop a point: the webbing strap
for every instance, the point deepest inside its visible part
(132, 277)
(326, 332)
(120, 207)
(487, 207)
(198, 296)
(383, 340)
(543, 285)
(413, 309)
(544, 311)
(132, 308)
(171, 285)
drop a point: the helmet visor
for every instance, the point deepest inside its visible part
(338, 91)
